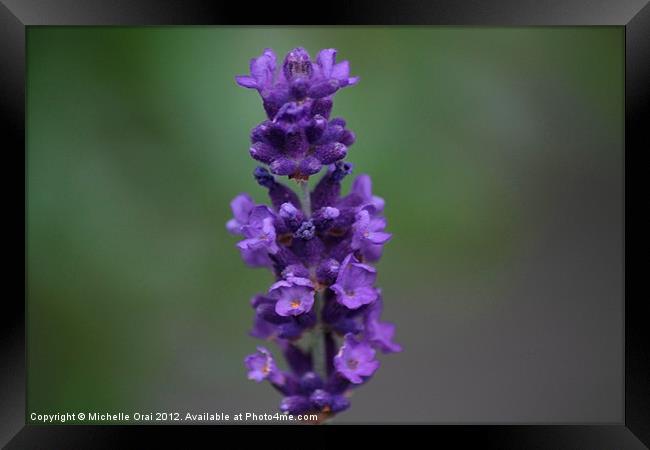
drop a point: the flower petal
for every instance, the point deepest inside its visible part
(325, 60)
(246, 81)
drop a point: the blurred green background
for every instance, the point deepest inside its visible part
(498, 152)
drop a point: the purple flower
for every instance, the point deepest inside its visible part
(260, 237)
(330, 69)
(241, 207)
(255, 257)
(369, 230)
(299, 78)
(355, 360)
(368, 235)
(261, 366)
(380, 334)
(362, 190)
(293, 297)
(354, 283)
(317, 246)
(262, 70)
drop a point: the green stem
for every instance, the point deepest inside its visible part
(317, 341)
(317, 344)
(306, 197)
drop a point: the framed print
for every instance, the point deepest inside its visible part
(402, 215)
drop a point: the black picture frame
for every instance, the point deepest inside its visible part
(16, 15)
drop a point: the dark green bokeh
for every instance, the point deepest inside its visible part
(137, 140)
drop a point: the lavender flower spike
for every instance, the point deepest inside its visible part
(323, 310)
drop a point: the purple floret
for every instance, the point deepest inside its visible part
(380, 334)
(368, 235)
(260, 237)
(261, 366)
(354, 283)
(293, 297)
(355, 360)
(241, 207)
(362, 191)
